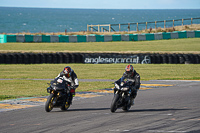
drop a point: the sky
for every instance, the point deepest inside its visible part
(104, 4)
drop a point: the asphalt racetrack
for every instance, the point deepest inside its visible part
(158, 109)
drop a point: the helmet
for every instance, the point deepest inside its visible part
(67, 71)
(129, 70)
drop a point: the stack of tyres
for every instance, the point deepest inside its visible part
(196, 59)
(76, 58)
(32, 58)
(37, 58)
(170, 59)
(153, 58)
(42, 58)
(20, 58)
(2, 58)
(26, 58)
(71, 58)
(191, 58)
(175, 59)
(60, 57)
(65, 58)
(158, 58)
(187, 59)
(165, 59)
(56, 58)
(181, 59)
(48, 58)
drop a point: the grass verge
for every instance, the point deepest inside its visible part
(22, 86)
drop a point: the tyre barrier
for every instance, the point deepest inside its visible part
(56, 58)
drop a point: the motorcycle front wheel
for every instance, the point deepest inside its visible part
(65, 106)
(126, 108)
(114, 103)
(49, 103)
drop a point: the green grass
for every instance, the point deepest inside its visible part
(22, 86)
(101, 71)
(172, 45)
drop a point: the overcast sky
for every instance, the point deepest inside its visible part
(105, 4)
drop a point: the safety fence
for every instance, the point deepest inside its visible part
(142, 25)
(99, 38)
(98, 58)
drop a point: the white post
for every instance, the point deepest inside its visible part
(98, 28)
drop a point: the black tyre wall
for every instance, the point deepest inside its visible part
(38, 58)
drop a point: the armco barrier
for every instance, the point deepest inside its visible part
(97, 58)
(99, 38)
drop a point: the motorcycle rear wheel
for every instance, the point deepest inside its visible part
(49, 103)
(114, 103)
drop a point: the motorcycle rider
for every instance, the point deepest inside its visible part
(134, 78)
(69, 75)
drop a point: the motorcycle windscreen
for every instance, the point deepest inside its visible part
(58, 86)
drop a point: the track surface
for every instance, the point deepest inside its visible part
(173, 109)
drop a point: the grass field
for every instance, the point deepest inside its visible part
(21, 84)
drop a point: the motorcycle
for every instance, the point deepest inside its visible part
(122, 96)
(60, 95)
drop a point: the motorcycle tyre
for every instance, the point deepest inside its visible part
(65, 106)
(49, 103)
(114, 103)
(126, 108)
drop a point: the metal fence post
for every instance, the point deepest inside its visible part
(91, 27)
(164, 24)
(128, 27)
(98, 28)
(182, 22)
(137, 27)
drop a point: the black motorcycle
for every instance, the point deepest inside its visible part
(60, 95)
(122, 96)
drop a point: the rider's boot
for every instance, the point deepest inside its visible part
(70, 100)
(134, 94)
(72, 91)
(132, 101)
